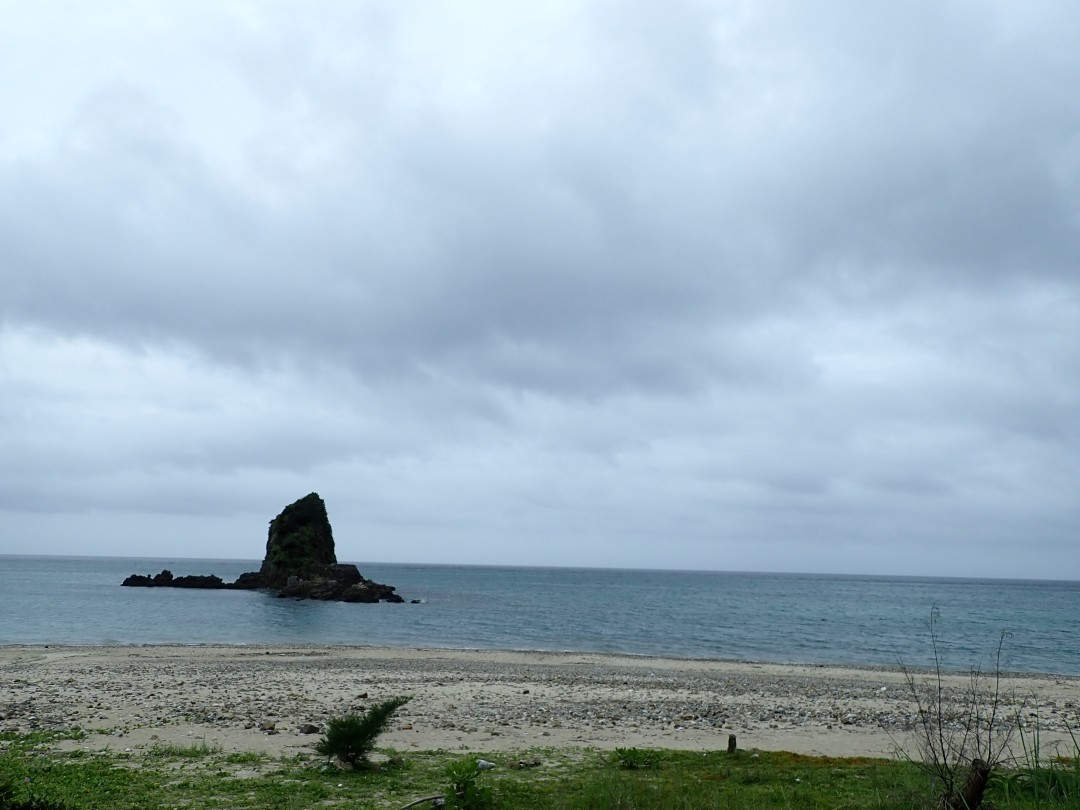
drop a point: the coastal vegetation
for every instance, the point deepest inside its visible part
(351, 738)
(465, 789)
(961, 740)
(36, 773)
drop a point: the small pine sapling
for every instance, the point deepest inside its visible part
(351, 738)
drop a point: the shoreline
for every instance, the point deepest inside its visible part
(257, 697)
(389, 649)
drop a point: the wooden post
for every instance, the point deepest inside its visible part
(731, 745)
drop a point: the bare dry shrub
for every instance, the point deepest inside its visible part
(961, 736)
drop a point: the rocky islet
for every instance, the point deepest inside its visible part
(300, 562)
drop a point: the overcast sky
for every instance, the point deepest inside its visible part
(760, 285)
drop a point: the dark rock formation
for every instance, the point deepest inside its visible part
(342, 583)
(300, 542)
(162, 580)
(166, 580)
(300, 562)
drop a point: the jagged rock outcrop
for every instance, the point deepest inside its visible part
(299, 543)
(166, 580)
(341, 583)
(300, 562)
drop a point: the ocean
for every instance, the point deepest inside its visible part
(821, 619)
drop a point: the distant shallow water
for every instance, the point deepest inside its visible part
(808, 618)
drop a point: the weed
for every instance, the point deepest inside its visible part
(199, 750)
(244, 758)
(1055, 780)
(8, 800)
(635, 759)
(465, 791)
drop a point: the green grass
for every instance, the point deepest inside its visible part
(1044, 781)
(245, 758)
(570, 779)
(634, 759)
(199, 750)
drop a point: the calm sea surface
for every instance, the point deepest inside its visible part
(763, 617)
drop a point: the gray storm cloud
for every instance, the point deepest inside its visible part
(748, 285)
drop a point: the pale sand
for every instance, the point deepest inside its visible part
(479, 701)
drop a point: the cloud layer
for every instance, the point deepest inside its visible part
(736, 286)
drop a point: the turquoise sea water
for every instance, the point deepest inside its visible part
(763, 617)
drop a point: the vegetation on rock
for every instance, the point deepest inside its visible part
(299, 539)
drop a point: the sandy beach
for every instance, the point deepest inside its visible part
(268, 699)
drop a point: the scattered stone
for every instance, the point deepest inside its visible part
(608, 702)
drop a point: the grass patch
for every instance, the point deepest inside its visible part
(199, 750)
(571, 779)
(635, 759)
(244, 758)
